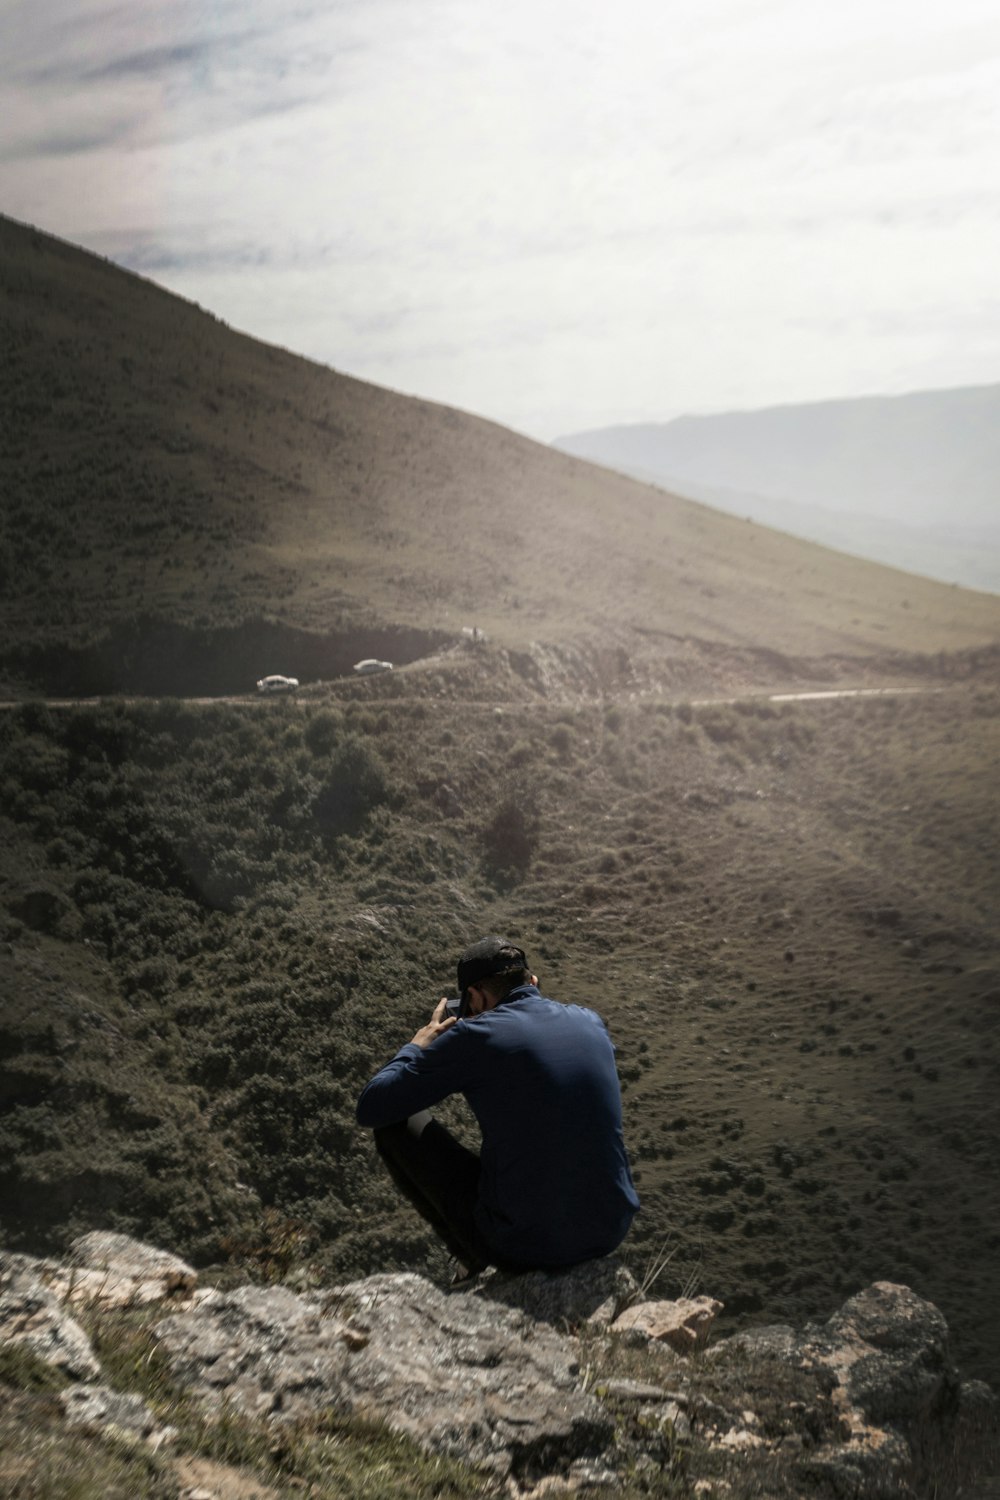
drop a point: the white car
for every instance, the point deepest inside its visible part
(369, 665)
(277, 684)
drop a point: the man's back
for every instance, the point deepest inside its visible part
(555, 1172)
(555, 1186)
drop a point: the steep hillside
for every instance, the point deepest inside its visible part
(157, 465)
(908, 480)
(216, 922)
(950, 552)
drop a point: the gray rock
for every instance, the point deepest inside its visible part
(977, 1401)
(32, 1315)
(458, 1373)
(106, 1270)
(889, 1351)
(118, 1271)
(854, 1471)
(594, 1292)
(776, 1340)
(487, 1374)
(98, 1408)
(883, 1357)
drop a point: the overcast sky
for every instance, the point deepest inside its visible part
(559, 214)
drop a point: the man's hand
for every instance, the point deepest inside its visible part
(437, 1024)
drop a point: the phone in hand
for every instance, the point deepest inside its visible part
(453, 1007)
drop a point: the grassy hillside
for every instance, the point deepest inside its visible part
(157, 466)
(946, 550)
(221, 920)
(218, 919)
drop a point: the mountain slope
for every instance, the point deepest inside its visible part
(968, 555)
(156, 462)
(910, 480)
(216, 920)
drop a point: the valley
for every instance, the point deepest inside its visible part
(217, 918)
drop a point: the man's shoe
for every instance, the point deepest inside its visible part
(463, 1275)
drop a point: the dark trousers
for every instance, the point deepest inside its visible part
(440, 1177)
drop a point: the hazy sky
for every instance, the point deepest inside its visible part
(556, 213)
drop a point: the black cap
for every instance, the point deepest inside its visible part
(491, 955)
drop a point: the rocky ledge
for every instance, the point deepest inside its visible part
(543, 1381)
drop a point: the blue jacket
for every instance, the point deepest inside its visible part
(555, 1186)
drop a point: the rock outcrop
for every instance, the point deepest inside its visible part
(595, 1293)
(97, 1408)
(460, 1375)
(528, 1378)
(105, 1270)
(884, 1366)
(684, 1324)
(33, 1317)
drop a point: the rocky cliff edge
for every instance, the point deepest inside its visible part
(538, 1383)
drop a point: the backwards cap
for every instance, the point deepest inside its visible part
(491, 955)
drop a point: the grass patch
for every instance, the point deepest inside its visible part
(330, 1455)
(22, 1370)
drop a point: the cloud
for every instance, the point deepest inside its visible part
(529, 209)
(153, 62)
(129, 74)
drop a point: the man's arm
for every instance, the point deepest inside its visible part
(437, 1024)
(413, 1079)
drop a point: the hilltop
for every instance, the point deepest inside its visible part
(178, 489)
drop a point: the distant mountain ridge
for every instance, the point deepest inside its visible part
(911, 480)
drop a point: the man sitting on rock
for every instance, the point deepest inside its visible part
(552, 1185)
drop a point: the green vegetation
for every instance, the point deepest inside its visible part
(21, 1370)
(220, 920)
(41, 1460)
(216, 920)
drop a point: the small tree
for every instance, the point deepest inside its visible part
(510, 836)
(355, 783)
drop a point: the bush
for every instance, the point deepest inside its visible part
(37, 764)
(511, 836)
(561, 740)
(355, 784)
(322, 732)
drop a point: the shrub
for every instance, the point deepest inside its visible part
(59, 852)
(106, 730)
(355, 783)
(511, 836)
(269, 1249)
(562, 739)
(721, 725)
(322, 732)
(37, 764)
(151, 976)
